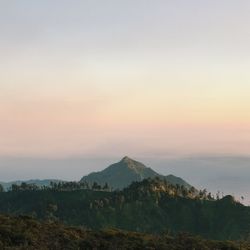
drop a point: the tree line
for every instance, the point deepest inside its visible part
(57, 186)
(155, 184)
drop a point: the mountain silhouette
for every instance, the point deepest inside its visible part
(121, 174)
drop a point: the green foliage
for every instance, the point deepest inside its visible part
(27, 233)
(152, 206)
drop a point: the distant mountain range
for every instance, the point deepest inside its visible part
(126, 171)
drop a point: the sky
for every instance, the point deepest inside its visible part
(112, 78)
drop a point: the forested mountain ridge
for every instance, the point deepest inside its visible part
(121, 174)
(152, 206)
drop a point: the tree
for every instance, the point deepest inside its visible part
(106, 186)
(15, 187)
(242, 198)
(218, 195)
(184, 192)
(24, 186)
(95, 186)
(192, 190)
(209, 196)
(1, 188)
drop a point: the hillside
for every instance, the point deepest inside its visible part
(151, 206)
(126, 171)
(18, 233)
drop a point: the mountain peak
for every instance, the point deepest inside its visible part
(126, 159)
(126, 171)
(132, 164)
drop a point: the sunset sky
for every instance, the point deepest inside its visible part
(140, 77)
